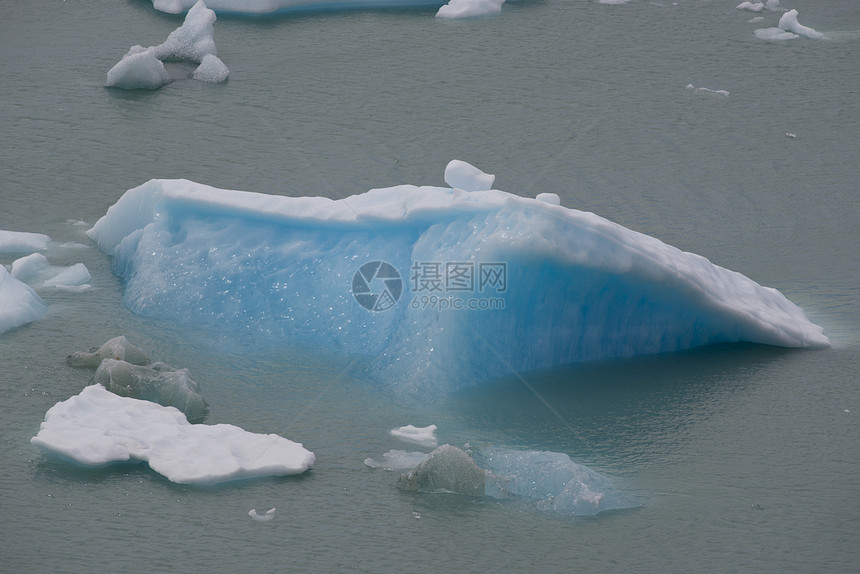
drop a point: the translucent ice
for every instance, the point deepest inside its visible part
(486, 282)
(549, 480)
(97, 427)
(117, 348)
(397, 460)
(159, 383)
(552, 480)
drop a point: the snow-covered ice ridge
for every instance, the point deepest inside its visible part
(569, 286)
(453, 9)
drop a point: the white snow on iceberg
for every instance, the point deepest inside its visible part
(194, 41)
(475, 284)
(252, 7)
(19, 304)
(97, 427)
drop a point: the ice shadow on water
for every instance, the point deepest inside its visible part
(610, 412)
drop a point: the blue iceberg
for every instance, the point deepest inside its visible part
(439, 287)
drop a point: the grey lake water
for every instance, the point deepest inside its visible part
(746, 458)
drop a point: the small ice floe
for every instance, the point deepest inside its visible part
(788, 28)
(790, 135)
(397, 460)
(143, 68)
(20, 242)
(470, 8)
(424, 436)
(118, 348)
(97, 427)
(268, 516)
(789, 23)
(36, 271)
(723, 93)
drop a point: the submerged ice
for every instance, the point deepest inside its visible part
(476, 284)
(549, 480)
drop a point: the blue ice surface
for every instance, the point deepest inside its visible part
(562, 286)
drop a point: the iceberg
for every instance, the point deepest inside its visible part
(260, 7)
(439, 287)
(143, 68)
(158, 382)
(97, 427)
(19, 304)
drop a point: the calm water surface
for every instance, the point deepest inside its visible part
(746, 457)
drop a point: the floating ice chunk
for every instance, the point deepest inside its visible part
(751, 6)
(552, 480)
(35, 270)
(461, 175)
(470, 8)
(424, 436)
(211, 69)
(138, 71)
(159, 383)
(566, 286)
(19, 304)
(20, 242)
(97, 427)
(446, 469)
(268, 516)
(707, 90)
(397, 460)
(117, 348)
(774, 34)
(614, 2)
(273, 6)
(789, 23)
(194, 40)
